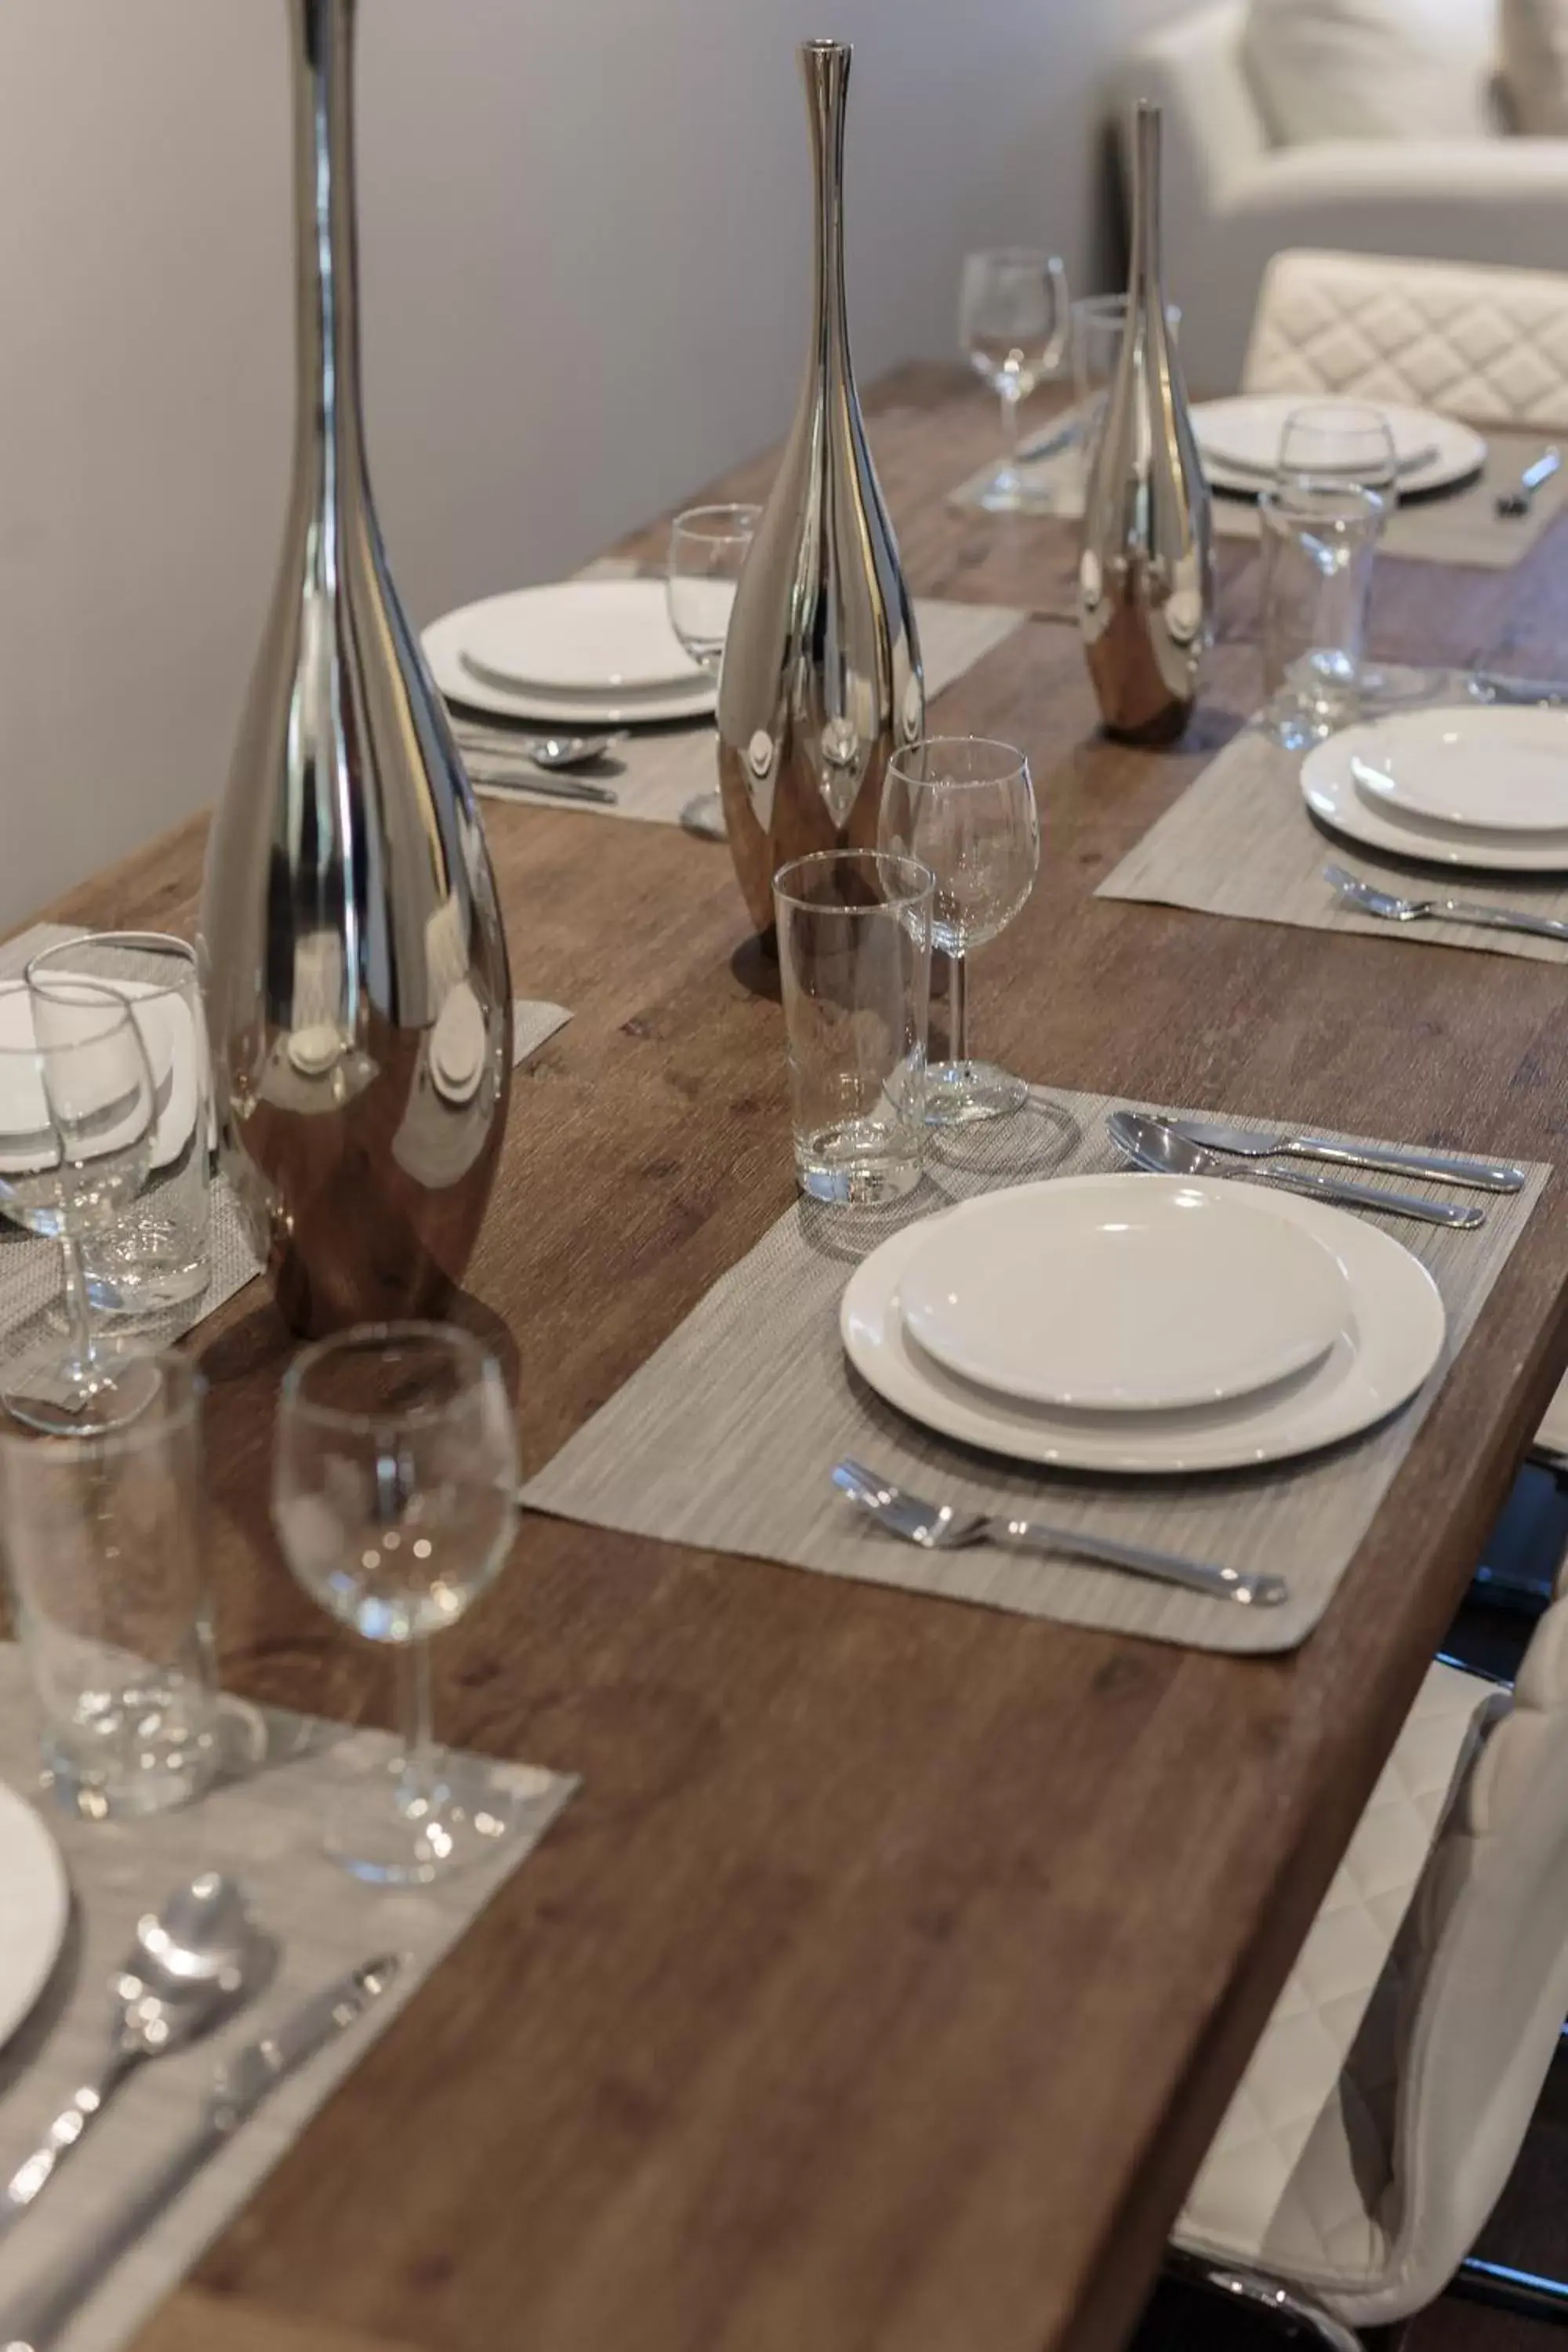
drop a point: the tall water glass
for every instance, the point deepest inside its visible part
(964, 807)
(394, 1474)
(77, 1113)
(158, 1256)
(708, 551)
(854, 934)
(1099, 321)
(1013, 327)
(1319, 546)
(107, 1553)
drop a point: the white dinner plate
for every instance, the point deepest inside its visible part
(1331, 788)
(477, 656)
(34, 1908)
(171, 1049)
(1495, 769)
(1107, 1294)
(1244, 430)
(1394, 1339)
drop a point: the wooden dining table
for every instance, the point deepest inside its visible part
(882, 1986)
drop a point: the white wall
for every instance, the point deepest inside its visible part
(585, 249)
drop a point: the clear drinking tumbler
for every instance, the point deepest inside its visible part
(105, 1545)
(855, 933)
(1319, 541)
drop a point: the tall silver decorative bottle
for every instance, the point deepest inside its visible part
(358, 997)
(1145, 583)
(821, 674)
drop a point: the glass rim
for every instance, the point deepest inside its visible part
(141, 943)
(362, 1337)
(914, 885)
(182, 1372)
(1017, 758)
(1288, 497)
(116, 1007)
(692, 522)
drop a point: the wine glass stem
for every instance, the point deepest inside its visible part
(78, 1310)
(417, 1781)
(1010, 433)
(957, 1009)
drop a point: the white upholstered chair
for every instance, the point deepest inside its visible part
(1484, 343)
(1233, 198)
(1388, 2097)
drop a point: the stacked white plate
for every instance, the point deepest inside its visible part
(1143, 1324)
(1477, 785)
(34, 1908)
(1239, 441)
(587, 653)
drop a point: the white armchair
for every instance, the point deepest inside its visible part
(1233, 199)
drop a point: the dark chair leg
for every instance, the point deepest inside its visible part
(1287, 2304)
(1509, 2290)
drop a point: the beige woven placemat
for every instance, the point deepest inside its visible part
(266, 1829)
(724, 1438)
(1458, 527)
(1241, 841)
(31, 1267)
(655, 770)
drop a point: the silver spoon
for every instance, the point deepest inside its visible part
(1156, 1145)
(191, 1960)
(548, 752)
(1370, 901)
(937, 1527)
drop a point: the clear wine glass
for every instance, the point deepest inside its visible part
(78, 1109)
(1014, 321)
(395, 1478)
(708, 550)
(1339, 441)
(964, 807)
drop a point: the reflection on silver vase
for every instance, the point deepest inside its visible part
(1145, 591)
(822, 676)
(358, 995)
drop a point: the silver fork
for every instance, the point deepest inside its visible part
(1371, 900)
(937, 1527)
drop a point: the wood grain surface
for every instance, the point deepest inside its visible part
(883, 1986)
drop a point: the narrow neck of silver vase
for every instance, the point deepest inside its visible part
(1145, 274)
(825, 65)
(330, 437)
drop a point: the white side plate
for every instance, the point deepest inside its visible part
(1331, 790)
(1395, 1341)
(1245, 429)
(1123, 1293)
(34, 1906)
(479, 633)
(1491, 770)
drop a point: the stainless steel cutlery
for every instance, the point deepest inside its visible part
(1518, 500)
(1368, 900)
(32, 2320)
(1392, 1158)
(1159, 1145)
(938, 1527)
(508, 779)
(190, 1962)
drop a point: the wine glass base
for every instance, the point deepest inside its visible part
(961, 1094)
(52, 1390)
(704, 815)
(468, 1812)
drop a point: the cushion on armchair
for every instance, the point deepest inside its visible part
(1535, 65)
(1375, 68)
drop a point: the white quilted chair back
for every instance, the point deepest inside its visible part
(1489, 345)
(1484, 1962)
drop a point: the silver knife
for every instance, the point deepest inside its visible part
(31, 2320)
(1398, 1159)
(508, 782)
